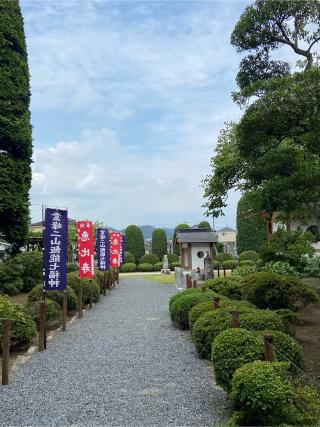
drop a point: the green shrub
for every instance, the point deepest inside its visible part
(149, 259)
(73, 282)
(210, 324)
(216, 264)
(262, 394)
(246, 262)
(228, 286)
(204, 224)
(129, 258)
(270, 290)
(244, 271)
(172, 258)
(57, 296)
(307, 407)
(175, 264)
(223, 257)
(180, 294)
(158, 266)
(231, 349)
(230, 264)
(32, 268)
(312, 268)
(179, 310)
(249, 255)
(145, 267)
(129, 267)
(279, 267)
(53, 312)
(286, 348)
(71, 267)
(22, 328)
(288, 317)
(159, 243)
(135, 242)
(10, 276)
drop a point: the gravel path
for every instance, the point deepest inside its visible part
(123, 364)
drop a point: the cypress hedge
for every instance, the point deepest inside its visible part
(135, 242)
(159, 242)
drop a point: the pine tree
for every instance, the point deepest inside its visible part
(15, 127)
(135, 241)
(159, 242)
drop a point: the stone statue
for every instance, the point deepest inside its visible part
(166, 267)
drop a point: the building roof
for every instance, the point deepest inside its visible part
(227, 229)
(196, 235)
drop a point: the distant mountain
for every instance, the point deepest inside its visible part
(148, 229)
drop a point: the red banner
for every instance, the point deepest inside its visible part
(115, 249)
(85, 248)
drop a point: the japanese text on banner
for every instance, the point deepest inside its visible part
(85, 248)
(115, 249)
(103, 249)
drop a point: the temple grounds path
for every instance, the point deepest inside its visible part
(123, 364)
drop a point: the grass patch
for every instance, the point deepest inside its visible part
(159, 278)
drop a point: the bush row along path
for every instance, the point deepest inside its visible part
(123, 364)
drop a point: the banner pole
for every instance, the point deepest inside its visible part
(44, 291)
(90, 282)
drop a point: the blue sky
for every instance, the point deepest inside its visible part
(127, 101)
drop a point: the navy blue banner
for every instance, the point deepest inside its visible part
(123, 248)
(103, 249)
(55, 249)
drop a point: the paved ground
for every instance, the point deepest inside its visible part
(123, 364)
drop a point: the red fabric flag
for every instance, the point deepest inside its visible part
(115, 249)
(85, 249)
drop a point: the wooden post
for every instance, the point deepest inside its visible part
(42, 321)
(91, 292)
(216, 302)
(268, 348)
(235, 318)
(5, 351)
(80, 311)
(118, 275)
(218, 270)
(224, 272)
(105, 283)
(64, 310)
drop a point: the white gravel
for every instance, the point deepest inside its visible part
(123, 364)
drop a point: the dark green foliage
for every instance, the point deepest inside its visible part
(270, 290)
(204, 224)
(135, 242)
(252, 229)
(145, 267)
(279, 267)
(73, 282)
(32, 267)
(220, 247)
(15, 127)
(53, 312)
(176, 248)
(23, 328)
(230, 264)
(286, 349)
(246, 262)
(228, 286)
(288, 317)
(10, 276)
(36, 294)
(180, 308)
(128, 258)
(173, 258)
(158, 266)
(232, 349)
(210, 324)
(149, 259)
(312, 268)
(262, 394)
(159, 243)
(175, 264)
(178, 295)
(128, 267)
(249, 255)
(244, 271)
(224, 256)
(71, 267)
(216, 264)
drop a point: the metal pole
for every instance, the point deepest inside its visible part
(42, 320)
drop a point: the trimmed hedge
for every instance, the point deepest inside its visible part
(224, 256)
(73, 281)
(175, 264)
(149, 259)
(230, 264)
(210, 324)
(249, 255)
(270, 290)
(232, 349)
(32, 266)
(145, 267)
(22, 328)
(173, 258)
(11, 271)
(129, 258)
(180, 308)
(216, 264)
(57, 296)
(53, 312)
(180, 294)
(158, 266)
(246, 262)
(228, 286)
(129, 267)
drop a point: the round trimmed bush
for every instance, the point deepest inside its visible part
(73, 282)
(279, 267)
(179, 310)
(129, 267)
(22, 328)
(57, 296)
(246, 262)
(149, 259)
(216, 264)
(228, 286)
(231, 349)
(262, 394)
(249, 255)
(286, 348)
(175, 264)
(129, 258)
(72, 267)
(223, 256)
(180, 294)
(230, 264)
(145, 267)
(32, 266)
(210, 324)
(271, 290)
(158, 266)
(172, 258)
(53, 312)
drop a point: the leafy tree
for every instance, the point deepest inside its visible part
(135, 241)
(15, 127)
(252, 229)
(176, 248)
(220, 247)
(204, 224)
(159, 242)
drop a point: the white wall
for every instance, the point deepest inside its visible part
(195, 248)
